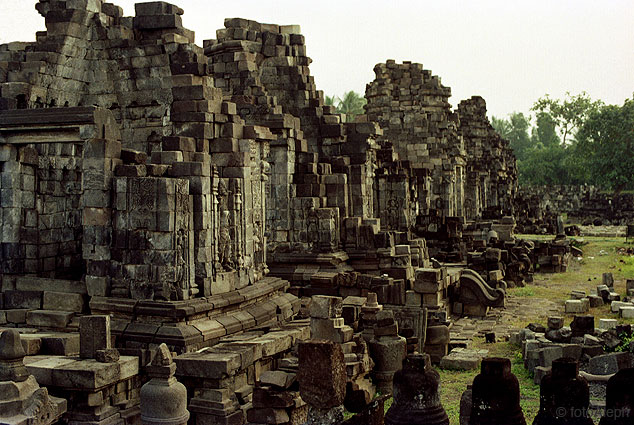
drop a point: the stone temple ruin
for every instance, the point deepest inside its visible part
(176, 213)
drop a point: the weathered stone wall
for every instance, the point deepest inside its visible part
(53, 189)
(411, 106)
(581, 204)
(491, 172)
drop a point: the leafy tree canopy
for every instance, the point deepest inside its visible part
(350, 104)
(606, 143)
(568, 114)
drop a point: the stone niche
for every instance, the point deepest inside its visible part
(152, 256)
(55, 205)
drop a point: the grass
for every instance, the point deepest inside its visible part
(526, 291)
(454, 383)
(600, 256)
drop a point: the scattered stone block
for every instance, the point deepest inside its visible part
(326, 389)
(94, 333)
(576, 306)
(582, 325)
(608, 364)
(548, 354)
(108, 355)
(627, 312)
(607, 324)
(277, 379)
(463, 359)
(539, 373)
(63, 301)
(555, 322)
(324, 307)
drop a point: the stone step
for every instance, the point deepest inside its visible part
(32, 283)
(49, 318)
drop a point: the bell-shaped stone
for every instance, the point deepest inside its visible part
(416, 398)
(11, 345)
(163, 398)
(619, 399)
(496, 395)
(12, 357)
(564, 407)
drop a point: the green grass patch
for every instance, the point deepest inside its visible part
(526, 291)
(599, 256)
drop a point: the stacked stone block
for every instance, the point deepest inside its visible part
(101, 157)
(535, 205)
(491, 172)
(222, 378)
(327, 324)
(101, 386)
(22, 401)
(276, 400)
(412, 108)
(20, 239)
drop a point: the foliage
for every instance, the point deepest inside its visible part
(551, 154)
(624, 346)
(568, 114)
(515, 130)
(526, 291)
(350, 104)
(606, 140)
(545, 131)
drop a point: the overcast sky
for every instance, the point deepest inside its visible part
(508, 51)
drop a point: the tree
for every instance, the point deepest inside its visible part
(568, 114)
(543, 166)
(545, 131)
(330, 101)
(515, 130)
(351, 104)
(606, 140)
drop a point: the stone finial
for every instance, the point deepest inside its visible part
(496, 395)
(416, 398)
(163, 398)
(11, 345)
(565, 407)
(12, 357)
(619, 400)
(163, 356)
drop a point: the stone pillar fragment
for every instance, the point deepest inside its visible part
(322, 380)
(94, 335)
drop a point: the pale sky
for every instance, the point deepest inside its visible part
(510, 52)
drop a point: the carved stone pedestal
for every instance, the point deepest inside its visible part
(22, 401)
(387, 353)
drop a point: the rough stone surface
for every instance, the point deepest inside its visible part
(324, 390)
